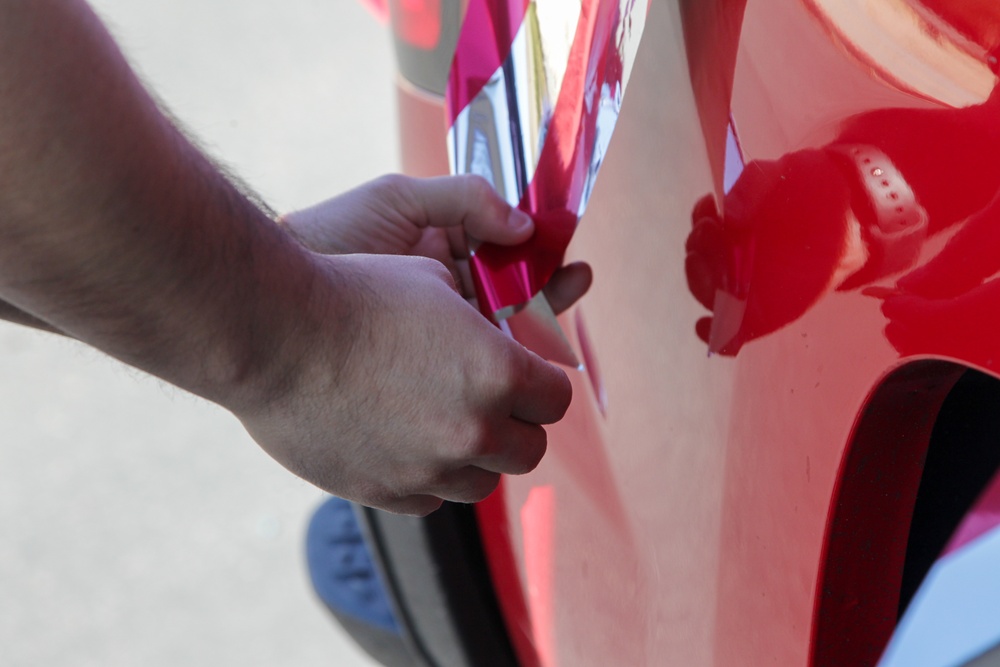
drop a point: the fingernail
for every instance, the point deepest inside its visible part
(518, 220)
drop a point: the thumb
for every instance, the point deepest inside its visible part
(471, 202)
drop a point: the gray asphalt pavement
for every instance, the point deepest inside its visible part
(138, 524)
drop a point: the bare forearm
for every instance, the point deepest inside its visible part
(12, 313)
(368, 375)
(113, 228)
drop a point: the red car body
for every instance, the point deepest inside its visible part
(794, 236)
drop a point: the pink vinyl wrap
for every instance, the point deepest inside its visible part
(573, 148)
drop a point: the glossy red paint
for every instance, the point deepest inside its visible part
(862, 572)
(422, 150)
(378, 8)
(751, 507)
(495, 530)
(538, 522)
(416, 22)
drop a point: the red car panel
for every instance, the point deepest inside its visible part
(752, 506)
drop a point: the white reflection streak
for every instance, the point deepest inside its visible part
(540, 57)
(479, 142)
(608, 109)
(632, 21)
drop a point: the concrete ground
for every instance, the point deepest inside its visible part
(140, 525)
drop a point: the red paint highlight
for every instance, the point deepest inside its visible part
(537, 521)
(417, 22)
(495, 532)
(378, 8)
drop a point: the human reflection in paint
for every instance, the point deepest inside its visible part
(853, 215)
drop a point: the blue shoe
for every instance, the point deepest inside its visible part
(346, 579)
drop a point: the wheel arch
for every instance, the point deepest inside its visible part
(868, 526)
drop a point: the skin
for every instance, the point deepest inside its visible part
(353, 361)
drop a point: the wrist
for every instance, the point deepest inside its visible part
(301, 319)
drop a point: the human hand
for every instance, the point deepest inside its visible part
(400, 394)
(432, 217)
(396, 393)
(777, 247)
(367, 375)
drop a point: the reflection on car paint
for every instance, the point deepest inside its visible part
(751, 508)
(735, 163)
(797, 98)
(855, 214)
(918, 46)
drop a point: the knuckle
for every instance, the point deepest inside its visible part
(475, 440)
(441, 271)
(512, 364)
(393, 184)
(479, 194)
(477, 187)
(399, 191)
(484, 487)
(473, 485)
(434, 269)
(532, 451)
(387, 503)
(563, 393)
(397, 501)
(419, 505)
(555, 386)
